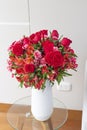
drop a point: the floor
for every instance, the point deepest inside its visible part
(69, 125)
(73, 122)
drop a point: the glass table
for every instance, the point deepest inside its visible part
(20, 117)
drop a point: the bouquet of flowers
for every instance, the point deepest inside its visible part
(42, 56)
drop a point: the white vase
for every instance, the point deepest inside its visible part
(42, 102)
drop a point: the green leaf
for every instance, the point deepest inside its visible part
(61, 75)
(31, 76)
(21, 84)
(37, 46)
(44, 75)
(74, 55)
(59, 78)
(61, 48)
(50, 68)
(11, 54)
(60, 37)
(66, 74)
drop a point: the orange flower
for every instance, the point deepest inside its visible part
(25, 77)
(28, 60)
(18, 61)
(41, 56)
(30, 50)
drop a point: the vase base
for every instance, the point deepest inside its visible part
(42, 118)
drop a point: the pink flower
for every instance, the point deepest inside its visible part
(9, 68)
(39, 57)
(73, 63)
(43, 62)
(37, 54)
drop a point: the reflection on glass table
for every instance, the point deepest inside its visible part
(20, 117)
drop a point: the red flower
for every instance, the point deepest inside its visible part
(70, 50)
(39, 57)
(18, 79)
(44, 33)
(25, 42)
(66, 42)
(35, 38)
(17, 49)
(44, 69)
(55, 34)
(20, 70)
(40, 82)
(11, 47)
(48, 46)
(29, 68)
(54, 59)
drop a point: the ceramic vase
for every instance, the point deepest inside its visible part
(42, 102)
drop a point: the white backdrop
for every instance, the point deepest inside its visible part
(69, 17)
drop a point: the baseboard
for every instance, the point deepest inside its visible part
(72, 114)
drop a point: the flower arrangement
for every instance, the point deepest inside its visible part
(42, 56)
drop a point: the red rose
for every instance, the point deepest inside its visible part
(17, 49)
(66, 42)
(48, 58)
(35, 38)
(54, 59)
(29, 68)
(25, 42)
(54, 34)
(31, 37)
(71, 50)
(48, 46)
(44, 33)
(11, 47)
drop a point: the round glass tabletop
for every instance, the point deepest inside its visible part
(20, 117)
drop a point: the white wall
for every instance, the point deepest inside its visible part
(84, 113)
(67, 16)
